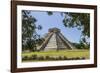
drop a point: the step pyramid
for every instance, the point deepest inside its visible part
(55, 40)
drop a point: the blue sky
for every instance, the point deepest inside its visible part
(55, 20)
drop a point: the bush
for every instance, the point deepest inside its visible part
(77, 58)
(40, 58)
(25, 58)
(83, 58)
(65, 58)
(33, 57)
(47, 58)
(43, 58)
(60, 58)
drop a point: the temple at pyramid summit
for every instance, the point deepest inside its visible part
(55, 40)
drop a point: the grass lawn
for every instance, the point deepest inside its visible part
(67, 53)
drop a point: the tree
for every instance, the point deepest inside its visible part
(29, 34)
(79, 20)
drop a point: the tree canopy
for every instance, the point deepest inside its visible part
(29, 34)
(79, 20)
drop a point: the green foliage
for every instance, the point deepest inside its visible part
(79, 20)
(82, 22)
(56, 55)
(40, 41)
(81, 45)
(29, 34)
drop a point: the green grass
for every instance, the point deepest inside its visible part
(67, 53)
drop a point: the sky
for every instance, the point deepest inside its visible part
(55, 20)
